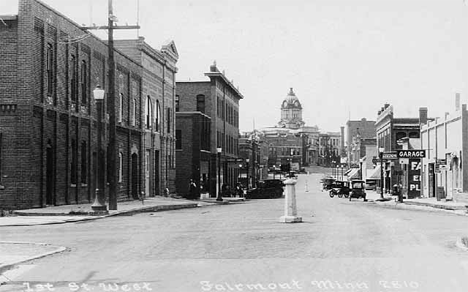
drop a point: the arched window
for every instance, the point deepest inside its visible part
(120, 107)
(148, 112)
(73, 79)
(84, 82)
(50, 69)
(158, 116)
(201, 103)
(134, 112)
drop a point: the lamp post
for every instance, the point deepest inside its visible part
(219, 197)
(381, 151)
(247, 164)
(99, 205)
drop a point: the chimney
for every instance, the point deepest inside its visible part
(457, 101)
(422, 115)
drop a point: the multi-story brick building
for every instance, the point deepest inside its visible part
(158, 97)
(50, 66)
(390, 130)
(218, 99)
(357, 133)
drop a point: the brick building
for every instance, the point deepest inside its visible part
(48, 126)
(218, 99)
(390, 130)
(357, 132)
(158, 97)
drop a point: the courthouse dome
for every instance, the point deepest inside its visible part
(291, 101)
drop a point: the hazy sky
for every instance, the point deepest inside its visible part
(344, 58)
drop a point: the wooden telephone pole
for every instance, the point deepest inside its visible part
(112, 174)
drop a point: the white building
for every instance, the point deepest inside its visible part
(446, 143)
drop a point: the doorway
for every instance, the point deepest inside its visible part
(134, 172)
(50, 195)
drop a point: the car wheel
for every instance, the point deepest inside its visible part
(340, 195)
(331, 194)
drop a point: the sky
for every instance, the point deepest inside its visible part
(344, 58)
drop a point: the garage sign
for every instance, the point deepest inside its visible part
(411, 154)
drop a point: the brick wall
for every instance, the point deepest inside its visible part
(42, 120)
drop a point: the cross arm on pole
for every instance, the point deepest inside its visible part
(113, 27)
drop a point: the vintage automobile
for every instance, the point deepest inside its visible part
(327, 183)
(357, 190)
(340, 189)
(266, 189)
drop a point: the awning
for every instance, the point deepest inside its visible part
(353, 174)
(374, 174)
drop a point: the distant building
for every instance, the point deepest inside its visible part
(357, 135)
(291, 141)
(218, 100)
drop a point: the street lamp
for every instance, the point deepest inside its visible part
(99, 204)
(247, 164)
(381, 151)
(219, 198)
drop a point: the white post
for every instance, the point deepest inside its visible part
(306, 187)
(290, 210)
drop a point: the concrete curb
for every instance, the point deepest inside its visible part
(95, 217)
(428, 207)
(8, 266)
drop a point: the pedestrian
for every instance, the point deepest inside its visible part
(193, 190)
(239, 190)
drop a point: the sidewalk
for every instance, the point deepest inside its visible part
(458, 207)
(82, 212)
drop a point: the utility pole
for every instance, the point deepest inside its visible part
(111, 103)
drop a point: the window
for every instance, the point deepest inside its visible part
(148, 112)
(121, 97)
(50, 69)
(177, 103)
(158, 116)
(73, 79)
(168, 120)
(201, 103)
(84, 83)
(120, 166)
(73, 162)
(179, 139)
(134, 112)
(84, 168)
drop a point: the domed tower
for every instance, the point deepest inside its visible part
(291, 112)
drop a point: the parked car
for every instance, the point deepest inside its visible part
(266, 189)
(357, 190)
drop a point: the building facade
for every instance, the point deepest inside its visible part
(446, 143)
(219, 100)
(48, 117)
(158, 110)
(291, 141)
(357, 131)
(390, 131)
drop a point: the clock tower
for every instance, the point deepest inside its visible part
(291, 112)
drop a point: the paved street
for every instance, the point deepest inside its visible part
(341, 246)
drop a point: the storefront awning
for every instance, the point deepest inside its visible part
(374, 174)
(353, 174)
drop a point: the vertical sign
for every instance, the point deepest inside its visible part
(414, 178)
